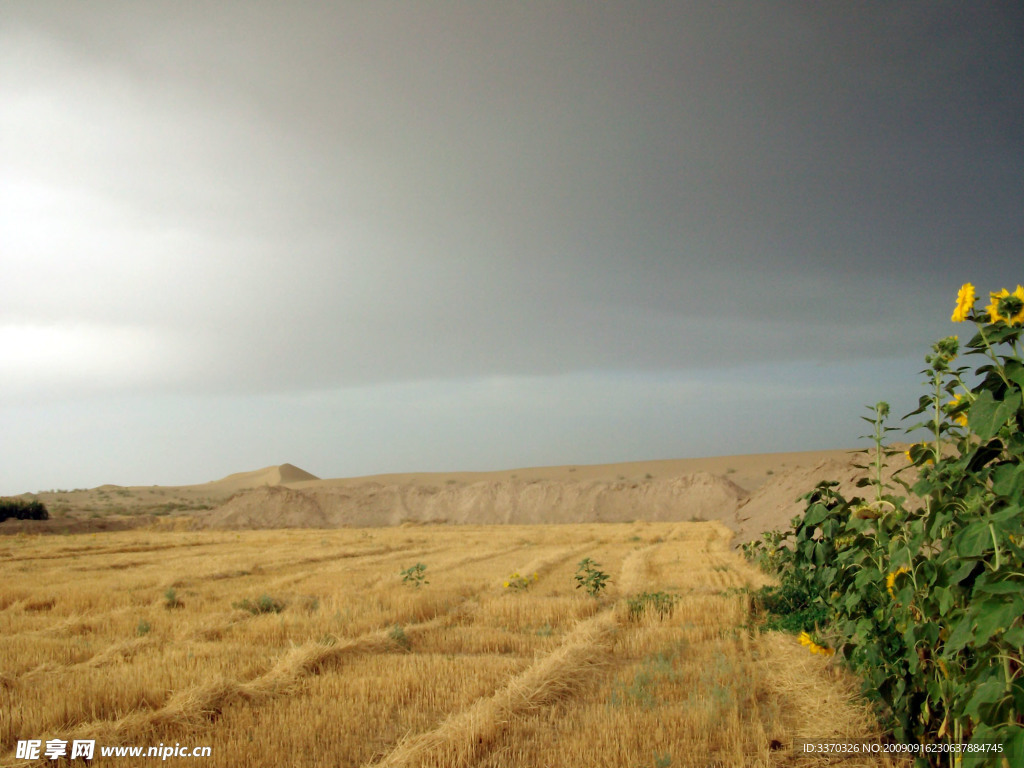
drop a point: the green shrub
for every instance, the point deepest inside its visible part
(791, 607)
(22, 509)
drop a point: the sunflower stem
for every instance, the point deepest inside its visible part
(994, 357)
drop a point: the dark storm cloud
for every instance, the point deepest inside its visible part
(332, 194)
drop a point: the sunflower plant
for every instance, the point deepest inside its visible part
(920, 586)
(590, 577)
(415, 576)
(519, 583)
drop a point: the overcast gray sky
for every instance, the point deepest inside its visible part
(366, 237)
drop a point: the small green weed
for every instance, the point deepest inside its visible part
(143, 628)
(262, 604)
(641, 690)
(401, 639)
(661, 602)
(171, 599)
(310, 603)
(791, 607)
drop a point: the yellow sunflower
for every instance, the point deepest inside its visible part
(964, 303)
(813, 647)
(1006, 307)
(890, 580)
(959, 418)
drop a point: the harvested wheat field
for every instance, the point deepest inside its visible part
(310, 648)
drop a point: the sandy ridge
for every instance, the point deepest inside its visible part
(565, 495)
(749, 494)
(700, 495)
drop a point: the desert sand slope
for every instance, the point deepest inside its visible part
(694, 496)
(777, 502)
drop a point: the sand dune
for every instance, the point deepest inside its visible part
(283, 474)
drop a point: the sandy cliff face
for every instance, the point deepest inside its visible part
(698, 495)
(268, 507)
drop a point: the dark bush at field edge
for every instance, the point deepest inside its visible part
(20, 509)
